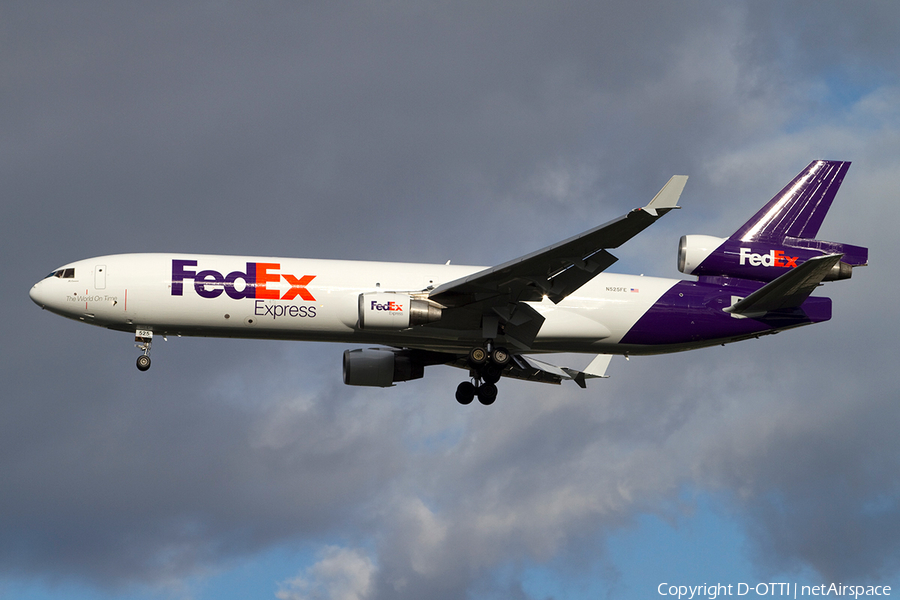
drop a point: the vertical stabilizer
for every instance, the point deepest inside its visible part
(798, 210)
(781, 236)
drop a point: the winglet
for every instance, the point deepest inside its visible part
(668, 196)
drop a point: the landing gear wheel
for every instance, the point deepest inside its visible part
(487, 393)
(465, 392)
(500, 356)
(478, 356)
(491, 373)
(143, 362)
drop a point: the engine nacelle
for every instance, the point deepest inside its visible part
(707, 256)
(694, 249)
(395, 311)
(377, 367)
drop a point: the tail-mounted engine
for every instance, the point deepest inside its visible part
(694, 249)
(708, 256)
(395, 311)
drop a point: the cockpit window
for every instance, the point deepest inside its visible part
(63, 273)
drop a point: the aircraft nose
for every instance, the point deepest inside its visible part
(38, 294)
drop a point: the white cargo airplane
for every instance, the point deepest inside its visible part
(489, 321)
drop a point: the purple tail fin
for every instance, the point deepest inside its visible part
(781, 236)
(798, 210)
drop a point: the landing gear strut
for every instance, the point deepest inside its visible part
(143, 340)
(486, 366)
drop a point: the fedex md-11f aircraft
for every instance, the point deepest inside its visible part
(491, 321)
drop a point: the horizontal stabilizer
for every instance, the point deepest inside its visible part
(597, 369)
(788, 291)
(532, 369)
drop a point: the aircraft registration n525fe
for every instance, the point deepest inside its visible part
(489, 321)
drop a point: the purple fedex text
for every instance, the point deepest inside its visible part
(257, 276)
(214, 279)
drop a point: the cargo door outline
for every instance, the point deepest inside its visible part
(100, 277)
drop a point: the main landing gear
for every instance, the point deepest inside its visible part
(485, 366)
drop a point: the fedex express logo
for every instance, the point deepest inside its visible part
(775, 258)
(254, 282)
(390, 306)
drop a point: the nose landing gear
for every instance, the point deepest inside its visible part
(486, 366)
(143, 339)
(143, 362)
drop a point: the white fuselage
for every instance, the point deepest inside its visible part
(315, 300)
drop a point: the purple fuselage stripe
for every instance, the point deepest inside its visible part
(692, 313)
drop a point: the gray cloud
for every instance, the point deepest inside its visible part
(402, 132)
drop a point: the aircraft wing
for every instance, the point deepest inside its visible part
(493, 299)
(558, 270)
(787, 291)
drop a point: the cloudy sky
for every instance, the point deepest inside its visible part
(428, 132)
